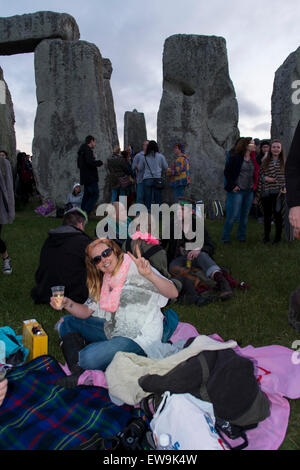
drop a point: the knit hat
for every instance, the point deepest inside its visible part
(75, 186)
(77, 209)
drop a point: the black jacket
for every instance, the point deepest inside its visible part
(62, 263)
(292, 171)
(87, 164)
(117, 167)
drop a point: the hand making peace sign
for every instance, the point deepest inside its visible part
(142, 264)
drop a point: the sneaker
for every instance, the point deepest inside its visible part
(7, 269)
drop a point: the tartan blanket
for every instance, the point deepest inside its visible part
(39, 415)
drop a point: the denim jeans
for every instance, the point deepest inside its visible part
(115, 193)
(139, 193)
(178, 191)
(100, 352)
(203, 261)
(152, 195)
(90, 197)
(238, 206)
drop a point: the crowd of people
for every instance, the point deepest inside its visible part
(115, 287)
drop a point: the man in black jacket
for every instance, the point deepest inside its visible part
(88, 165)
(62, 260)
(292, 175)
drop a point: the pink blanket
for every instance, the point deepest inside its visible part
(279, 377)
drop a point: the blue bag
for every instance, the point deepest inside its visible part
(15, 353)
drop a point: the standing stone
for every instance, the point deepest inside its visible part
(71, 105)
(110, 108)
(285, 112)
(7, 121)
(135, 132)
(110, 121)
(198, 108)
(22, 33)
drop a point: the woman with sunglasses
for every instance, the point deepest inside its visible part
(122, 313)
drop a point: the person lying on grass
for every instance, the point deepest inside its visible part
(122, 313)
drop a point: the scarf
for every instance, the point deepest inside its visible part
(112, 286)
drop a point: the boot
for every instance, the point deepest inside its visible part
(71, 344)
(223, 286)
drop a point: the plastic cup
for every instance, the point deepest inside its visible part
(58, 292)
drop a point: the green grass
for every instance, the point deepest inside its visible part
(256, 317)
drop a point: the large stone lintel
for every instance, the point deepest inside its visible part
(22, 33)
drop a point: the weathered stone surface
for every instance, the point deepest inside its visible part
(110, 107)
(285, 112)
(22, 33)
(7, 121)
(198, 108)
(135, 132)
(71, 105)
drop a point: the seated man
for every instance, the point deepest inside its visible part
(62, 260)
(201, 258)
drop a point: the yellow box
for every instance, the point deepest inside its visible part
(34, 338)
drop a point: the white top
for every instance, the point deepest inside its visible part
(139, 316)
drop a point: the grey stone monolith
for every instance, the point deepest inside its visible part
(286, 100)
(7, 121)
(135, 131)
(198, 108)
(110, 107)
(71, 105)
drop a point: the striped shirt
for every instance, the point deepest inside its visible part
(273, 171)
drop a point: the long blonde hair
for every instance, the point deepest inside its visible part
(94, 275)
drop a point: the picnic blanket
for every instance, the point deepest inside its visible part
(39, 415)
(277, 373)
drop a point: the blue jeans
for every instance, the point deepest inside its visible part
(139, 193)
(90, 197)
(100, 352)
(117, 192)
(152, 195)
(238, 206)
(178, 191)
(203, 261)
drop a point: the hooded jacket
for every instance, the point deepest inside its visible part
(62, 263)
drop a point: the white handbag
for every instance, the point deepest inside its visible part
(189, 421)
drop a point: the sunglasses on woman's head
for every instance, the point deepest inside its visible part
(104, 254)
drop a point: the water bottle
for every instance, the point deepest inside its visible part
(165, 442)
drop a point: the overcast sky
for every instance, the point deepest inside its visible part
(260, 34)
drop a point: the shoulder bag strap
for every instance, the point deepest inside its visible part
(149, 167)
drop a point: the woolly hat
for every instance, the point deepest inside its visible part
(77, 209)
(75, 186)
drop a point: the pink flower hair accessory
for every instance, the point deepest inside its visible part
(147, 237)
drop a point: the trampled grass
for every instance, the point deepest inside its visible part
(256, 317)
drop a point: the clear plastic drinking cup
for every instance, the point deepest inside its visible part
(58, 292)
